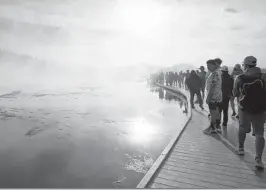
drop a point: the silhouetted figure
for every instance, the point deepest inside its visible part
(236, 72)
(180, 79)
(167, 79)
(227, 90)
(194, 85)
(187, 74)
(161, 78)
(202, 75)
(171, 78)
(161, 93)
(197, 71)
(176, 79)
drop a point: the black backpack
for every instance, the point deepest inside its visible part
(253, 94)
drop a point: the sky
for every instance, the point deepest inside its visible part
(110, 33)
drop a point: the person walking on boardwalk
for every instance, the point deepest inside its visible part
(171, 78)
(175, 78)
(236, 71)
(179, 79)
(202, 75)
(227, 91)
(194, 85)
(218, 61)
(213, 96)
(167, 78)
(186, 77)
(250, 88)
(183, 79)
(197, 71)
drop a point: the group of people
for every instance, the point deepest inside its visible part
(247, 86)
(170, 78)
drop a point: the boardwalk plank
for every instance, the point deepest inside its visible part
(161, 186)
(202, 161)
(218, 180)
(206, 169)
(185, 179)
(175, 184)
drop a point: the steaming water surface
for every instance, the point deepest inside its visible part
(88, 137)
(67, 118)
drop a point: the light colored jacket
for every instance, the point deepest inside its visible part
(214, 86)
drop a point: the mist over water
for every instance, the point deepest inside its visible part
(74, 111)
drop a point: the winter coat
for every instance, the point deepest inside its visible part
(227, 85)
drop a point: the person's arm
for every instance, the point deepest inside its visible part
(231, 86)
(213, 80)
(263, 76)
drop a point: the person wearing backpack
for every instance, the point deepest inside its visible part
(250, 88)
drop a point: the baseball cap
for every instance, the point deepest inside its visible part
(224, 68)
(250, 60)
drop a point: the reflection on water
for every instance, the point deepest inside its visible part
(142, 131)
(78, 138)
(161, 93)
(170, 97)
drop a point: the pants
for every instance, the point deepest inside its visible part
(171, 82)
(257, 122)
(179, 82)
(203, 91)
(192, 94)
(223, 108)
(214, 112)
(232, 103)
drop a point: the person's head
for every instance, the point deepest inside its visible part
(187, 71)
(211, 65)
(249, 62)
(197, 71)
(237, 67)
(193, 72)
(202, 68)
(218, 61)
(224, 69)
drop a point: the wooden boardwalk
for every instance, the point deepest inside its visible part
(203, 161)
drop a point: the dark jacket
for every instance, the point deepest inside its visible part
(202, 76)
(236, 72)
(193, 82)
(227, 85)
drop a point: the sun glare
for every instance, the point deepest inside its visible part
(140, 17)
(142, 131)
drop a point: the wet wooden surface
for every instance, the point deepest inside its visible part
(203, 161)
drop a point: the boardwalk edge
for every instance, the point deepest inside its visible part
(157, 164)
